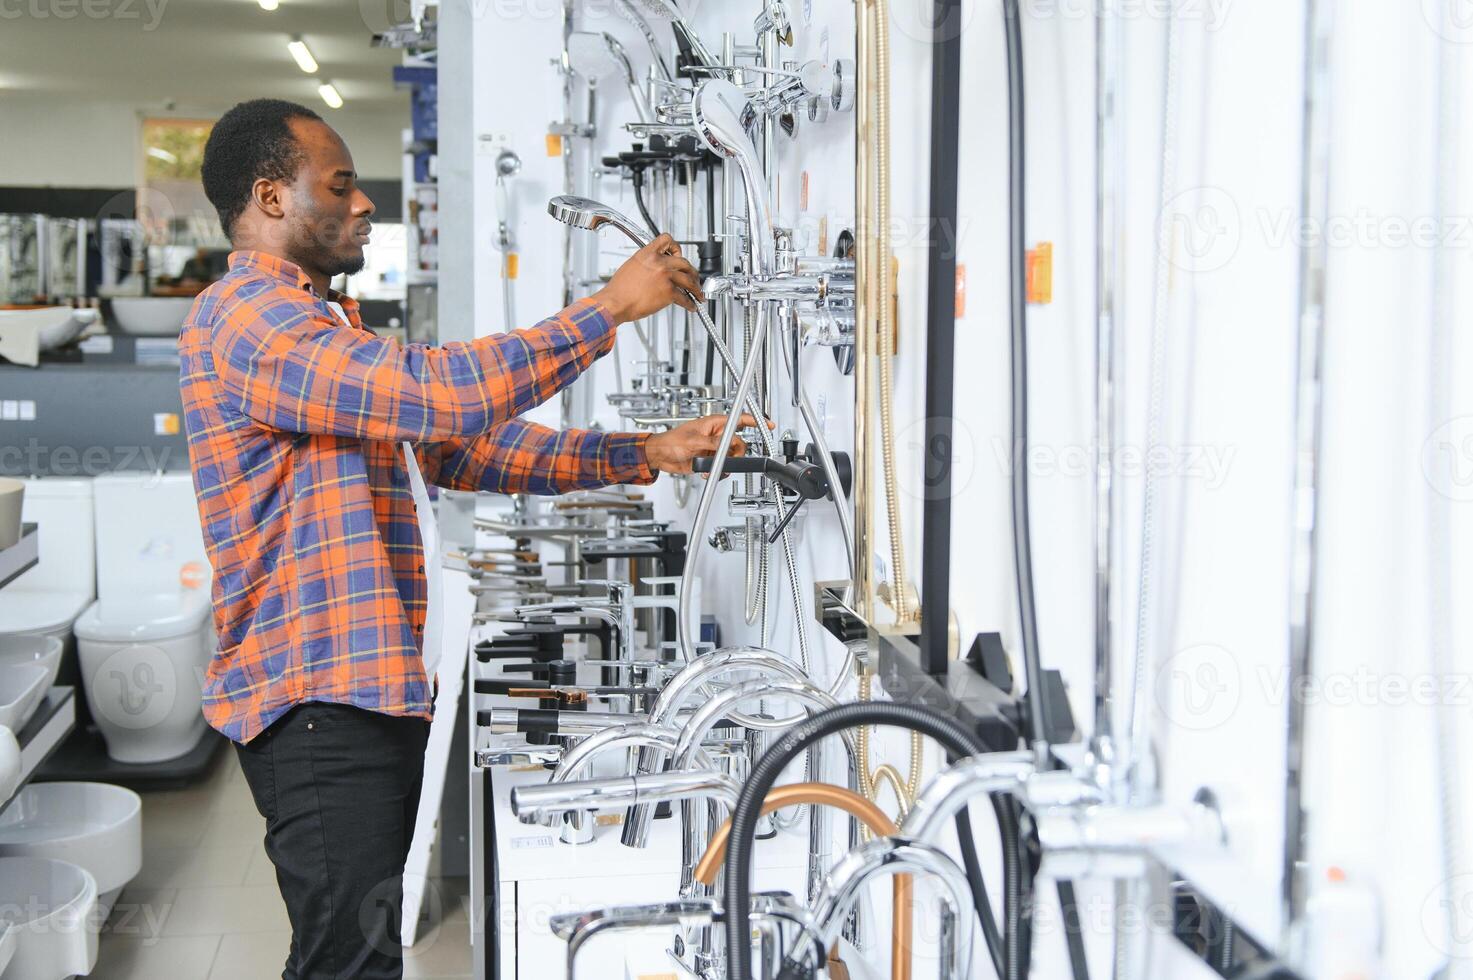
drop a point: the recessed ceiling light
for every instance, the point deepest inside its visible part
(302, 55)
(330, 95)
(268, 4)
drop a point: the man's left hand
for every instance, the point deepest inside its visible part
(672, 451)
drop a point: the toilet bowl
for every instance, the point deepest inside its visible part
(96, 826)
(143, 663)
(52, 909)
(143, 646)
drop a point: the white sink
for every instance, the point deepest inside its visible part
(53, 907)
(95, 826)
(151, 316)
(9, 765)
(32, 648)
(55, 326)
(8, 936)
(21, 688)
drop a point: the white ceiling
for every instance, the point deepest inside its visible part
(203, 54)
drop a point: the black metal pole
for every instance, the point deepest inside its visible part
(946, 79)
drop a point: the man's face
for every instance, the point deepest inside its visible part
(327, 216)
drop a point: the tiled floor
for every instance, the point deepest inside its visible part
(205, 905)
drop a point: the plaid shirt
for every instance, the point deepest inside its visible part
(294, 423)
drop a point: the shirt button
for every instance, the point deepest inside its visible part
(421, 569)
(420, 628)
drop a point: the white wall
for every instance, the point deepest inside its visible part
(1230, 290)
(51, 141)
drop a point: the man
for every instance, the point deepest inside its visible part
(295, 416)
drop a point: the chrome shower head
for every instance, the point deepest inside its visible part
(722, 115)
(626, 8)
(598, 54)
(591, 215)
(669, 11)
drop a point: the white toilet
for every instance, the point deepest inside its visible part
(49, 598)
(144, 644)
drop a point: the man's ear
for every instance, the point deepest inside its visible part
(266, 195)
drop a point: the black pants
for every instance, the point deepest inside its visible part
(339, 787)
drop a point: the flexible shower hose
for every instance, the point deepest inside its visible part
(959, 742)
(879, 11)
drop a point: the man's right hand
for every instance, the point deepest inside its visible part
(650, 280)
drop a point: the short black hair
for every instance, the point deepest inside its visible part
(251, 141)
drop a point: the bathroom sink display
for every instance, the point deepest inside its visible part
(52, 907)
(95, 826)
(22, 686)
(32, 648)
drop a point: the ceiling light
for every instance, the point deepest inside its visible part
(159, 153)
(303, 56)
(267, 4)
(330, 95)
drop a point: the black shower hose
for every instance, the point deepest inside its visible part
(959, 743)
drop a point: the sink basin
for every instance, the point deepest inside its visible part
(9, 765)
(8, 936)
(52, 907)
(32, 648)
(21, 689)
(151, 316)
(95, 826)
(56, 326)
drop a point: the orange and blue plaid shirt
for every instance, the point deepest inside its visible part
(294, 422)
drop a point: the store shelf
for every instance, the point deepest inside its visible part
(46, 730)
(82, 757)
(19, 557)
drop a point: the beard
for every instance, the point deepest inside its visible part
(319, 246)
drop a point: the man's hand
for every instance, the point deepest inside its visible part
(650, 280)
(672, 451)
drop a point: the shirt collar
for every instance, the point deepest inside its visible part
(291, 274)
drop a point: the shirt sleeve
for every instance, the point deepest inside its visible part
(291, 367)
(523, 457)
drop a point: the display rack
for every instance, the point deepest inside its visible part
(56, 715)
(19, 557)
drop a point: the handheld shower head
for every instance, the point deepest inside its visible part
(626, 8)
(596, 55)
(723, 115)
(590, 215)
(669, 11)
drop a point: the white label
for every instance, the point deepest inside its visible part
(882, 568)
(527, 843)
(27, 410)
(9, 410)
